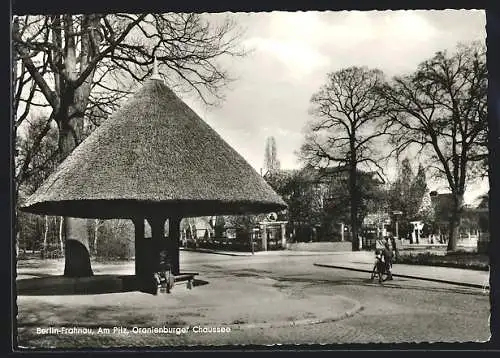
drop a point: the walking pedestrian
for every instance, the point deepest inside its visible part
(395, 249)
(387, 252)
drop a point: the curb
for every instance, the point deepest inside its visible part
(302, 322)
(208, 251)
(267, 253)
(302, 253)
(473, 285)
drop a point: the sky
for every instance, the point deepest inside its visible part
(291, 54)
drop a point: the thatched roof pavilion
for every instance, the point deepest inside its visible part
(154, 154)
(154, 159)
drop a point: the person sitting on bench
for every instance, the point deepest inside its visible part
(163, 276)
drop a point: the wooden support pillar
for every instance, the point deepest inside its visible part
(174, 228)
(139, 246)
(157, 224)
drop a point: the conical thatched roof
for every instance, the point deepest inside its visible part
(153, 155)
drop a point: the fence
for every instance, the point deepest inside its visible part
(234, 244)
(320, 246)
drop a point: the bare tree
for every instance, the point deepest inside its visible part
(189, 224)
(98, 223)
(441, 110)
(36, 154)
(35, 159)
(347, 111)
(78, 65)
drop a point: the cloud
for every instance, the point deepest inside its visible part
(307, 42)
(299, 57)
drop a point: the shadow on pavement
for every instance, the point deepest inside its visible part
(36, 274)
(198, 282)
(61, 285)
(395, 284)
(97, 284)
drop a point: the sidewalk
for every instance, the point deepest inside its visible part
(364, 260)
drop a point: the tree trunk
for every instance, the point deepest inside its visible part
(192, 234)
(77, 254)
(354, 230)
(453, 235)
(70, 120)
(45, 234)
(454, 225)
(173, 247)
(96, 235)
(353, 192)
(61, 241)
(77, 257)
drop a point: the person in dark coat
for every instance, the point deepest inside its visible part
(388, 257)
(395, 249)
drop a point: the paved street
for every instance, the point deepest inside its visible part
(257, 295)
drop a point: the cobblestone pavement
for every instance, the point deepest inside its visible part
(402, 310)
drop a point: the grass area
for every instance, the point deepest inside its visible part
(465, 260)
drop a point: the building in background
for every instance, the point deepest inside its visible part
(319, 203)
(474, 221)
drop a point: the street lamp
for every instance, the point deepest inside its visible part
(396, 214)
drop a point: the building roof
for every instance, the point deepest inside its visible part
(442, 204)
(154, 154)
(323, 174)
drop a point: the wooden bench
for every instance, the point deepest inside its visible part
(173, 279)
(189, 277)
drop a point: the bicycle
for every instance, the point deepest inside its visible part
(380, 269)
